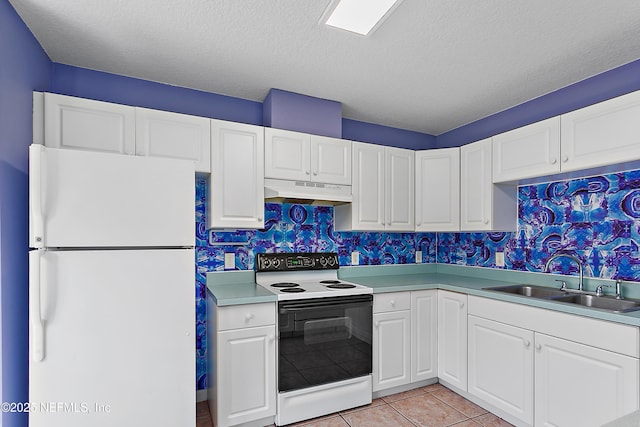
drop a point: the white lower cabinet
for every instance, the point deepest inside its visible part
(580, 385)
(547, 368)
(404, 338)
(391, 340)
(452, 338)
(243, 363)
(501, 366)
(424, 335)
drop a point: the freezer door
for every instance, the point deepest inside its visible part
(118, 348)
(88, 199)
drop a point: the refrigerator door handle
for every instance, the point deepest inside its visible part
(35, 316)
(36, 153)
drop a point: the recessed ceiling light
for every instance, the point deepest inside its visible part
(359, 16)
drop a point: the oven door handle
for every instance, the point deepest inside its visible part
(302, 305)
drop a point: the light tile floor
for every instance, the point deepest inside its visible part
(430, 406)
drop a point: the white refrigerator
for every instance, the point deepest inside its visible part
(111, 290)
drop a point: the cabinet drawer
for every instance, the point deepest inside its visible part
(246, 316)
(392, 301)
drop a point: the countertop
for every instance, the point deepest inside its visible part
(239, 287)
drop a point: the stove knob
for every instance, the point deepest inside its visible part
(323, 261)
(332, 261)
(266, 263)
(276, 264)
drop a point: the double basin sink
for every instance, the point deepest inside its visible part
(603, 302)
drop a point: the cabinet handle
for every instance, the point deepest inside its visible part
(565, 159)
(527, 343)
(553, 161)
(260, 219)
(271, 338)
(392, 302)
(419, 224)
(315, 174)
(461, 305)
(486, 221)
(306, 172)
(377, 324)
(249, 316)
(538, 347)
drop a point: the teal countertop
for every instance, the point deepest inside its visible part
(238, 287)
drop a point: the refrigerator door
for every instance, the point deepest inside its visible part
(88, 199)
(118, 344)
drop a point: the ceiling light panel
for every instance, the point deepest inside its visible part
(359, 16)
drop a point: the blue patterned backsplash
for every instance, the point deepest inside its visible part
(597, 219)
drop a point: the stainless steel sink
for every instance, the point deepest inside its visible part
(601, 302)
(530, 291)
(607, 303)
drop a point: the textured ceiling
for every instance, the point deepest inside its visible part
(432, 67)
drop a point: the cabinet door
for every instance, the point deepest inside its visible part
(287, 155)
(391, 349)
(330, 160)
(85, 124)
(424, 334)
(399, 193)
(501, 366)
(602, 134)
(437, 198)
(246, 372)
(173, 135)
(475, 186)
(368, 187)
(526, 152)
(236, 198)
(567, 373)
(452, 338)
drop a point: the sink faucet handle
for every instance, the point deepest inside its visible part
(599, 292)
(618, 292)
(564, 284)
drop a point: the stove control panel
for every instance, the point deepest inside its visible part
(296, 261)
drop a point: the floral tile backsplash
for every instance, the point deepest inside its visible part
(596, 219)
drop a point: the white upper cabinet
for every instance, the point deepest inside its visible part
(173, 135)
(399, 191)
(483, 204)
(330, 160)
(303, 157)
(368, 209)
(526, 152)
(287, 155)
(602, 134)
(236, 198)
(383, 195)
(85, 124)
(437, 200)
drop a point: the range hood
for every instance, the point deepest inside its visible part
(306, 192)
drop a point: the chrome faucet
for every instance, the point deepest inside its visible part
(577, 260)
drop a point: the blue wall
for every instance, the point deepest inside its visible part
(24, 67)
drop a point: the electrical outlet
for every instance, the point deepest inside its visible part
(499, 259)
(355, 258)
(418, 257)
(229, 261)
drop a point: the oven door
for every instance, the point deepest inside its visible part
(323, 340)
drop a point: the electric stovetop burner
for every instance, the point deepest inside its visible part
(292, 290)
(329, 282)
(341, 286)
(285, 285)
